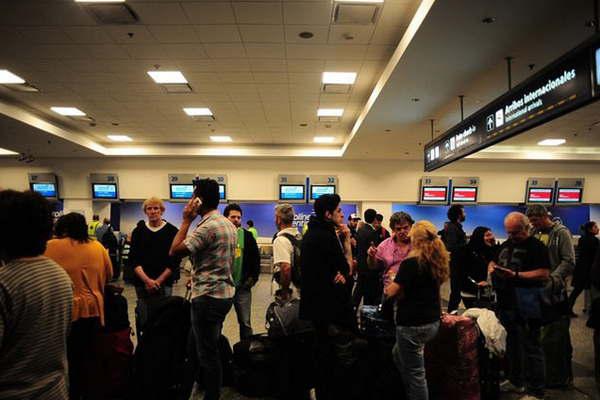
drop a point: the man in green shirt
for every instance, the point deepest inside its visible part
(252, 229)
(245, 271)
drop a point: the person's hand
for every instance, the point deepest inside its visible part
(353, 242)
(339, 278)
(482, 284)
(190, 211)
(491, 267)
(505, 272)
(372, 251)
(152, 286)
(344, 231)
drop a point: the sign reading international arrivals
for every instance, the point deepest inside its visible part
(561, 87)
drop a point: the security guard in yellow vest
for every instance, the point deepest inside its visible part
(93, 226)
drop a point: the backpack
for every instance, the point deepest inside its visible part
(296, 274)
(282, 319)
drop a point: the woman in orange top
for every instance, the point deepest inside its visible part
(88, 265)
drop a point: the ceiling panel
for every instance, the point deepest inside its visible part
(307, 13)
(258, 13)
(218, 33)
(174, 33)
(262, 33)
(209, 13)
(320, 34)
(160, 13)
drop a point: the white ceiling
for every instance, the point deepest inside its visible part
(247, 63)
(244, 60)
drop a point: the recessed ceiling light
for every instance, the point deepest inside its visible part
(551, 142)
(330, 112)
(323, 139)
(221, 139)
(415, 99)
(306, 35)
(341, 78)
(488, 20)
(197, 111)
(119, 138)
(68, 111)
(8, 78)
(5, 152)
(167, 77)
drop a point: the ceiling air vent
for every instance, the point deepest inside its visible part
(111, 14)
(175, 88)
(355, 14)
(335, 88)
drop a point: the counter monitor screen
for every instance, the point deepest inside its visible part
(183, 192)
(434, 193)
(539, 195)
(464, 194)
(317, 191)
(291, 192)
(569, 195)
(104, 191)
(222, 192)
(45, 189)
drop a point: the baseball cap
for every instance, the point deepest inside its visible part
(354, 216)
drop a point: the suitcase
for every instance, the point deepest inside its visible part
(255, 366)
(451, 360)
(373, 324)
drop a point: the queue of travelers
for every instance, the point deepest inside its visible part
(53, 278)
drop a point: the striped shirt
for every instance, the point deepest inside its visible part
(212, 245)
(35, 314)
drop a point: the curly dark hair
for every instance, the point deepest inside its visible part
(72, 225)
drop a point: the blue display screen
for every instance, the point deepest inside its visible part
(291, 192)
(597, 66)
(104, 191)
(222, 192)
(317, 191)
(182, 191)
(45, 189)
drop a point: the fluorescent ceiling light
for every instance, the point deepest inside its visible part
(324, 139)
(221, 139)
(330, 112)
(5, 152)
(119, 138)
(99, 1)
(167, 77)
(68, 111)
(8, 78)
(198, 112)
(341, 78)
(551, 142)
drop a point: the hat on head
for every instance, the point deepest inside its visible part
(354, 216)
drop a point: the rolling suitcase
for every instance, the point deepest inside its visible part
(373, 324)
(451, 360)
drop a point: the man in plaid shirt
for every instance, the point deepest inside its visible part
(212, 247)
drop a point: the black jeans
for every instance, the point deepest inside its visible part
(208, 314)
(81, 356)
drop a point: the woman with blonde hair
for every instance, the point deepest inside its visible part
(417, 289)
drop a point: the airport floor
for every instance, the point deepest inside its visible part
(581, 336)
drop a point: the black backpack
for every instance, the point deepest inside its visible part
(296, 274)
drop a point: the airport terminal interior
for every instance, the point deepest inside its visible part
(394, 105)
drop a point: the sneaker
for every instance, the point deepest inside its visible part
(508, 387)
(531, 397)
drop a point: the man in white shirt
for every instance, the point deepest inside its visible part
(283, 248)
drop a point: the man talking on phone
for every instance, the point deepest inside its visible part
(519, 274)
(212, 247)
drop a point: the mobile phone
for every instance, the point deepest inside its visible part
(197, 202)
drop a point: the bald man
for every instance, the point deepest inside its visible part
(519, 273)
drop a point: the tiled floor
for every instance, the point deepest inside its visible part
(583, 355)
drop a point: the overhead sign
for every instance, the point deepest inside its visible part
(560, 87)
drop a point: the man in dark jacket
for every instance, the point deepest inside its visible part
(246, 268)
(368, 284)
(455, 239)
(325, 265)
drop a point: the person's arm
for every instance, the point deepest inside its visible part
(393, 290)
(108, 267)
(164, 276)
(282, 259)
(347, 248)
(567, 255)
(372, 261)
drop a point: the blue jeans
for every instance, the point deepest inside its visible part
(524, 352)
(208, 314)
(409, 359)
(242, 303)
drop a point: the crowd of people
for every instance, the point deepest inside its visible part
(53, 277)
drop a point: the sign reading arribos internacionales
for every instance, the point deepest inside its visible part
(563, 86)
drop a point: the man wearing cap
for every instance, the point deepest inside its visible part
(353, 226)
(556, 339)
